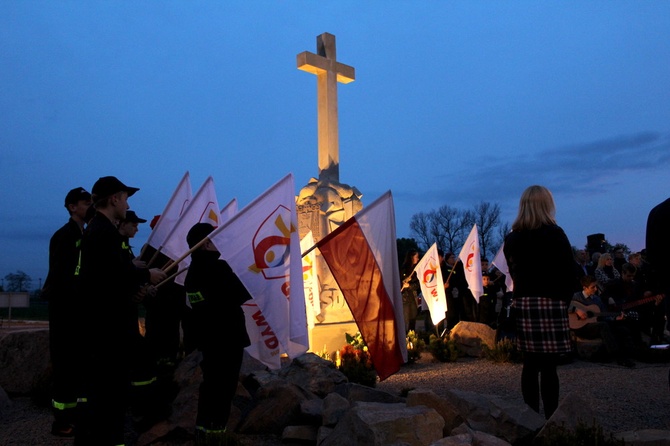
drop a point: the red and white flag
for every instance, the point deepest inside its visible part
(472, 264)
(363, 259)
(310, 280)
(432, 286)
(173, 210)
(500, 262)
(262, 246)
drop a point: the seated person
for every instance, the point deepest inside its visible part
(626, 294)
(589, 320)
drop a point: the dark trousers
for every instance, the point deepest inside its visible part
(66, 365)
(220, 374)
(102, 422)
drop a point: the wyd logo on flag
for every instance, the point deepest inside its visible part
(271, 245)
(469, 261)
(429, 277)
(210, 215)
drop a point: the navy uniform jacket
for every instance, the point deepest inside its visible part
(216, 295)
(108, 281)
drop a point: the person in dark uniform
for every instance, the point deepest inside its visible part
(657, 249)
(109, 280)
(216, 295)
(59, 289)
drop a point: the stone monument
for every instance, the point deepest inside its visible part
(325, 203)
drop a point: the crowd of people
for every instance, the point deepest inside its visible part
(97, 286)
(559, 294)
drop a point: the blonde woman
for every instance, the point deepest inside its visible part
(605, 272)
(541, 264)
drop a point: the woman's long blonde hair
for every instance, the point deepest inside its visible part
(536, 208)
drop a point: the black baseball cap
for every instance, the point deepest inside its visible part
(107, 186)
(77, 194)
(132, 217)
(198, 232)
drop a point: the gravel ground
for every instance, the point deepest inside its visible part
(621, 398)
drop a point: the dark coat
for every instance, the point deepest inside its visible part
(541, 263)
(109, 279)
(216, 295)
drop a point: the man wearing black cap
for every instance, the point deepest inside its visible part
(59, 289)
(216, 295)
(109, 279)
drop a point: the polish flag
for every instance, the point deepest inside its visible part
(362, 257)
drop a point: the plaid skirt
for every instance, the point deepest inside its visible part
(542, 325)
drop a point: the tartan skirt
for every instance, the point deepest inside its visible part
(542, 325)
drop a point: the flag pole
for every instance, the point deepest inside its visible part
(171, 277)
(186, 254)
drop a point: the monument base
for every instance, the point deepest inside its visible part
(331, 336)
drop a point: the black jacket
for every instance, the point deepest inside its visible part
(541, 263)
(216, 295)
(109, 280)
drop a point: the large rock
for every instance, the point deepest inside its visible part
(572, 410)
(510, 421)
(356, 392)
(379, 424)
(313, 374)
(421, 397)
(469, 337)
(276, 406)
(24, 361)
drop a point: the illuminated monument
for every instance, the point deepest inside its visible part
(325, 203)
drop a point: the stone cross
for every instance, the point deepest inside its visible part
(328, 73)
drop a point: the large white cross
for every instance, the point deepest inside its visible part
(328, 73)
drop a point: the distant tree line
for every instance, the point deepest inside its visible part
(15, 282)
(449, 227)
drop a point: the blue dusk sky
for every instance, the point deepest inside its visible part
(454, 103)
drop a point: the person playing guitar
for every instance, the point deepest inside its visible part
(588, 320)
(624, 293)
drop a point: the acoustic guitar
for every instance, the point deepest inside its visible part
(593, 313)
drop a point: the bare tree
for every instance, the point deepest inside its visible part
(453, 224)
(487, 218)
(503, 230)
(18, 281)
(419, 224)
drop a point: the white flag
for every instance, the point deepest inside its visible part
(264, 345)
(203, 208)
(310, 279)
(228, 211)
(262, 246)
(173, 210)
(432, 286)
(500, 262)
(472, 264)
